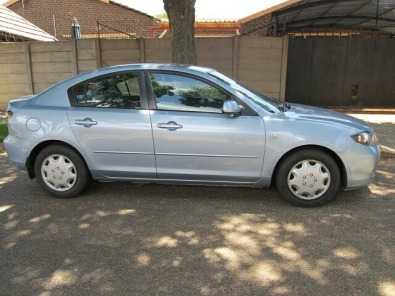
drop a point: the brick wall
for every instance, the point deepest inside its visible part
(88, 12)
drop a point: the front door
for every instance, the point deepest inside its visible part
(110, 120)
(195, 141)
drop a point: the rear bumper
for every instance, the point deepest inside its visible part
(361, 163)
(17, 154)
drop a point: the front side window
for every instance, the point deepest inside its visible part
(181, 93)
(121, 90)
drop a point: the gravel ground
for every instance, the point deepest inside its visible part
(125, 239)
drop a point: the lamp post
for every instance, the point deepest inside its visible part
(75, 29)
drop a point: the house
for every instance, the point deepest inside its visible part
(113, 19)
(13, 28)
(204, 28)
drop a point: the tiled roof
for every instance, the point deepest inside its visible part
(13, 24)
(269, 10)
(10, 2)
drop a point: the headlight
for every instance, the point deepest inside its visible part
(366, 138)
(374, 140)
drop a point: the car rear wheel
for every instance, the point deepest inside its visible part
(308, 178)
(61, 171)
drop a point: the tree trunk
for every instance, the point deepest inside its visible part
(181, 14)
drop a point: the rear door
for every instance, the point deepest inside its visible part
(110, 119)
(194, 140)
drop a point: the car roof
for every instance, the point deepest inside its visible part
(149, 66)
(128, 67)
(191, 69)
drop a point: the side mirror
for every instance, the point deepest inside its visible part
(232, 108)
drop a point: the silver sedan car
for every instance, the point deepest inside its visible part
(186, 125)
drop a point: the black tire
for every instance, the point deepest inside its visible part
(281, 178)
(83, 176)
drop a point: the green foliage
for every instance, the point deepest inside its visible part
(159, 89)
(3, 130)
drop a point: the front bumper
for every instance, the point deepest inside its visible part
(361, 163)
(17, 154)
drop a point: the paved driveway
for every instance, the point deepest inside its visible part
(123, 239)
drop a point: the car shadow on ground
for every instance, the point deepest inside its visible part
(125, 239)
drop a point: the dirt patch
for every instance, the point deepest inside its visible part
(128, 239)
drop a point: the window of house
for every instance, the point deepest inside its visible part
(181, 93)
(121, 90)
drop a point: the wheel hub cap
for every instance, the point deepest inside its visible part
(59, 172)
(309, 179)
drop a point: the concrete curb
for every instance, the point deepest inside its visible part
(385, 111)
(387, 152)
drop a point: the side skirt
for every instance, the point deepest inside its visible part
(258, 184)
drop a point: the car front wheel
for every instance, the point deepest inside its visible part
(61, 171)
(308, 178)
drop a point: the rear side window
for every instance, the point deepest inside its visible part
(121, 90)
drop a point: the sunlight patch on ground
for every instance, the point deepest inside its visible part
(287, 253)
(188, 236)
(382, 190)
(171, 241)
(295, 227)
(166, 241)
(11, 224)
(264, 272)
(102, 213)
(248, 240)
(225, 255)
(84, 226)
(347, 253)
(40, 218)
(387, 288)
(7, 179)
(143, 259)
(24, 232)
(5, 208)
(126, 211)
(386, 174)
(60, 278)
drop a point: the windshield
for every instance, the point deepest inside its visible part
(257, 97)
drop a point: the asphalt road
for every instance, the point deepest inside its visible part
(125, 239)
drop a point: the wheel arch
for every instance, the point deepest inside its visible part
(332, 153)
(39, 147)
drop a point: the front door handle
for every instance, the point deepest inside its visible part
(171, 125)
(86, 122)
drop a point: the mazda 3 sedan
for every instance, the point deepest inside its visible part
(186, 125)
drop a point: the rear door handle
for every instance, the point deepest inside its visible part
(86, 122)
(171, 125)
